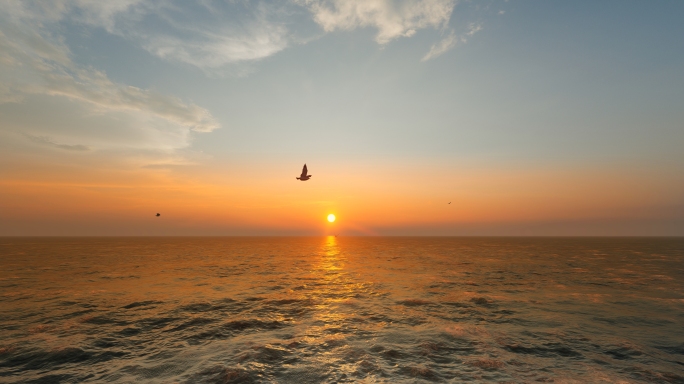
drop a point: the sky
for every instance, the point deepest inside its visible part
(426, 117)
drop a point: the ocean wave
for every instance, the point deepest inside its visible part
(382, 310)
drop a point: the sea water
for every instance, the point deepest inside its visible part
(342, 309)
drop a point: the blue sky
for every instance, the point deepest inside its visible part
(201, 93)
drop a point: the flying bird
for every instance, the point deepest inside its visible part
(450, 202)
(158, 214)
(304, 176)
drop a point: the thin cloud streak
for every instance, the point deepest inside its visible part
(442, 46)
(450, 42)
(45, 140)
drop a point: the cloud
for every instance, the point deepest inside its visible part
(442, 46)
(392, 19)
(204, 34)
(450, 42)
(35, 61)
(91, 86)
(214, 50)
(207, 35)
(49, 141)
(212, 35)
(473, 28)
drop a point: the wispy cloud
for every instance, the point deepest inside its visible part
(94, 87)
(442, 46)
(474, 28)
(392, 19)
(34, 60)
(450, 42)
(212, 35)
(207, 35)
(45, 140)
(213, 50)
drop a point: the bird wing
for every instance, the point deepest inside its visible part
(304, 170)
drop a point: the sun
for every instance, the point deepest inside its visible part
(331, 218)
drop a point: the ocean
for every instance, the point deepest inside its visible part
(341, 310)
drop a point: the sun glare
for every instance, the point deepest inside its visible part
(331, 218)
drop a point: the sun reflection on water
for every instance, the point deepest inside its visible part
(330, 250)
(333, 289)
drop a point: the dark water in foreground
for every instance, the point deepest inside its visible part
(310, 310)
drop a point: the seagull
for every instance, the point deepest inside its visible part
(158, 214)
(304, 176)
(450, 202)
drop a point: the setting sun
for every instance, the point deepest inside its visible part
(331, 218)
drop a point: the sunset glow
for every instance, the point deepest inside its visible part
(331, 218)
(212, 125)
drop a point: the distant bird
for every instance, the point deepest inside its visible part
(158, 214)
(304, 176)
(450, 202)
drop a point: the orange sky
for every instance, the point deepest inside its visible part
(266, 199)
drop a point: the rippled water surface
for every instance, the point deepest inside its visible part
(310, 310)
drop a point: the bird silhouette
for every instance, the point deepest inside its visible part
(450, 202)
(158, 214)
(304, 176)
